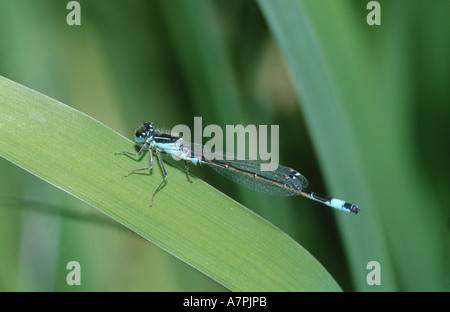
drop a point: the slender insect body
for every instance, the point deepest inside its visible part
(282, 181)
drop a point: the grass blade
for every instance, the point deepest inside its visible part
(194, 222)
(356, 107)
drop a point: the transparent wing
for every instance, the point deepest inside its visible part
(282, 181)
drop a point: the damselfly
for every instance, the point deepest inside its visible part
(282, 181)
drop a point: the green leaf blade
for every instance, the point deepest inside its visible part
(194, 222)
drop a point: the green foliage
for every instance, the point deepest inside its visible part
(365, 104)
(196, 223)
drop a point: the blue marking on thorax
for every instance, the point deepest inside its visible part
(178, 150)
(165, 147)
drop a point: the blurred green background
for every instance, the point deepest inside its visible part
(168, 61)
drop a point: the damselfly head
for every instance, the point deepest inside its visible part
(144, 132)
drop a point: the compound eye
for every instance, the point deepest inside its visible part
(139, 136)
(144, 132)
